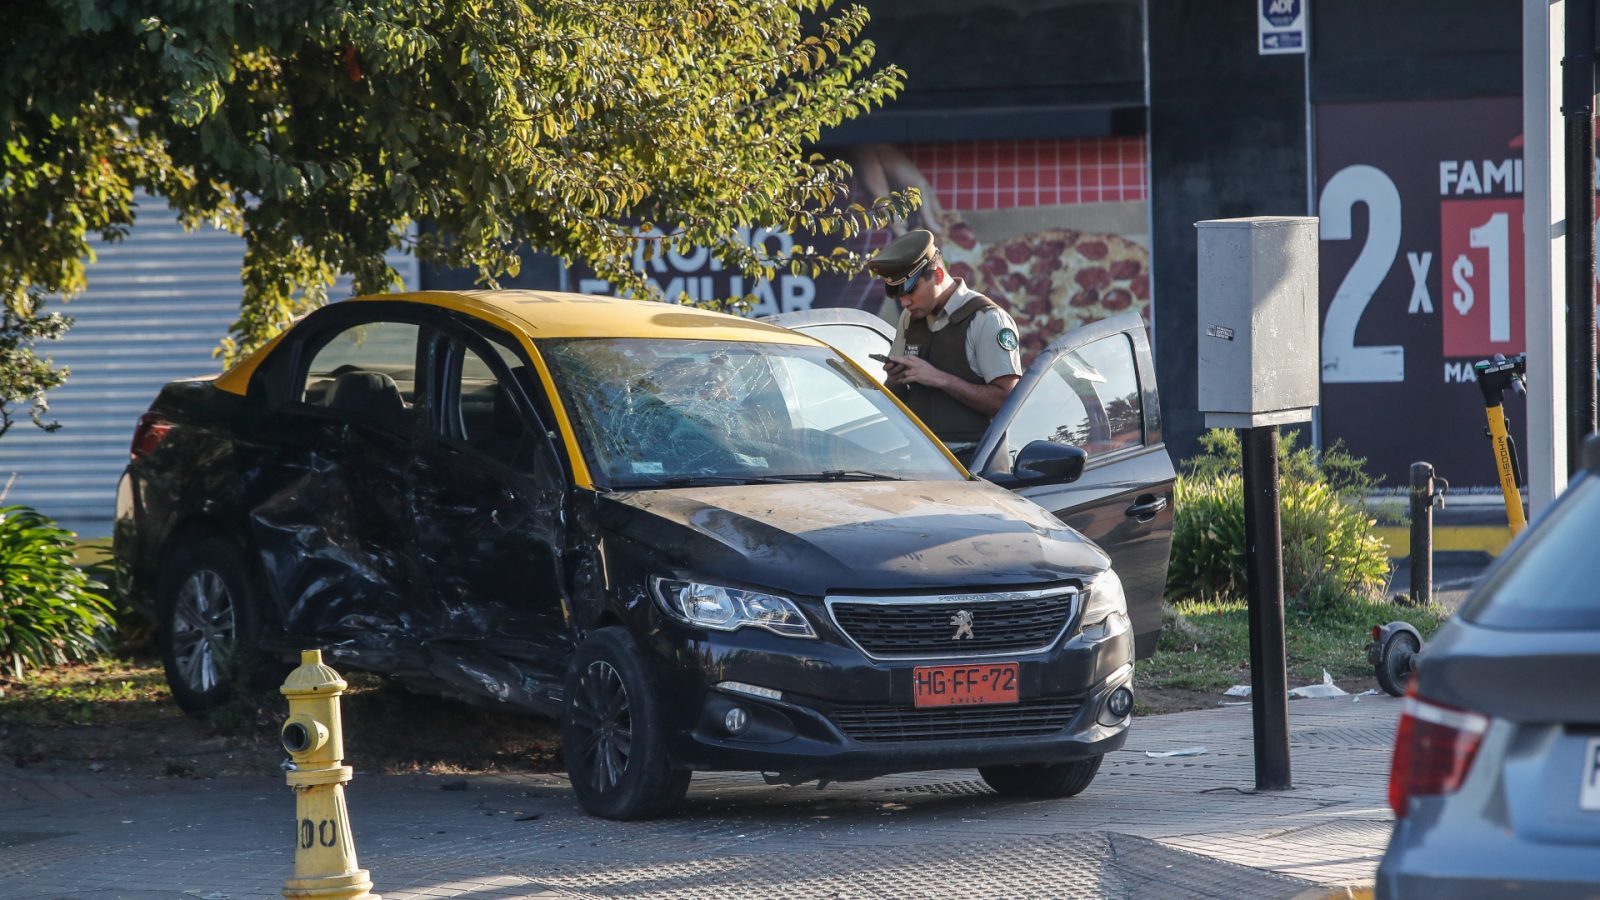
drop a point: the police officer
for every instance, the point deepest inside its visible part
(954, 359)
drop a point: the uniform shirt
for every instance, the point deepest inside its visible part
(985, 353)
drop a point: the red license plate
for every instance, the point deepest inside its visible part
(968, 685)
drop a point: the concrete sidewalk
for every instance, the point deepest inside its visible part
(1186, 826)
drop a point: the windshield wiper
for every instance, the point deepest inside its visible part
(838, 475)
(694, 480)
(677, 481)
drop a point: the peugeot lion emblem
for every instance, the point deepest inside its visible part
(963, 622)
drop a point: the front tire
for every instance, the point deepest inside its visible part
(1052, 780)
(208, 624)
(1396, 662)
(612, 735)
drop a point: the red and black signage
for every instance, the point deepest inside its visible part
(1421, 275)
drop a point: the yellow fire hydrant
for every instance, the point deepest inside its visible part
(324, 851)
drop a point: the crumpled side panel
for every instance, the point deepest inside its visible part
(333, 583)
(364, 557)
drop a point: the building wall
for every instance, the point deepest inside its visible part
(1371, 50)
(157, 304)
(1227, 139)
(987, 54)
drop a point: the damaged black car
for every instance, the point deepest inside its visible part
(700, 542)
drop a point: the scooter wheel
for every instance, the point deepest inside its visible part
(1396, 662)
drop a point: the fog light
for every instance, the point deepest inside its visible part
(1121, 702)
(736, 720)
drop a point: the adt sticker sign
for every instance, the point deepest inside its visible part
(1283, 26)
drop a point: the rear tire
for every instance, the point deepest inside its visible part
(208, 624)
(1052, 780)
(612, 733)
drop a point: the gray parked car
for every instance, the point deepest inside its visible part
(1496, 777)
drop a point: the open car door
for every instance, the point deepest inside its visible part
(1094, 388)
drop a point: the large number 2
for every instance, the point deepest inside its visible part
(1342, 361)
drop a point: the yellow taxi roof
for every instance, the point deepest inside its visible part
(553, 314)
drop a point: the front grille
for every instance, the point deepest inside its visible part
(913, 627)
(1030, 718)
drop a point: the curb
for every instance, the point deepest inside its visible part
(1484, 539)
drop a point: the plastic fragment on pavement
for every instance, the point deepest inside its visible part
(1166, 754)
(1314, 691)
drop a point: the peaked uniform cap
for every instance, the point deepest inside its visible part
(903, 255)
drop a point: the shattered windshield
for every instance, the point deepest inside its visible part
(661, 413)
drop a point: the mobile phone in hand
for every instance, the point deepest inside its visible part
(878, 356)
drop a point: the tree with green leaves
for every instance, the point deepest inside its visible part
(320, 130)
(24, 377)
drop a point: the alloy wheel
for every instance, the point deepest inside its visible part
(604, 721)
(203, 630)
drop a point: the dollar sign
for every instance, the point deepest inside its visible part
(1461, 271)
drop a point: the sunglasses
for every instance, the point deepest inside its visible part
(897, 289)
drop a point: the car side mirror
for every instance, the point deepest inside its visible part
(1046, 462)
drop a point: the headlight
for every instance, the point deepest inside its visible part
(729, 609)
(1105, 598)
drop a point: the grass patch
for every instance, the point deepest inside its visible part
(118, 714)
(1207, 646)
(107, 691)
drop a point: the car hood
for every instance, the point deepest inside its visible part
(816, 539)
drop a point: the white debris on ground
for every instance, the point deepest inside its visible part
(1311, 691)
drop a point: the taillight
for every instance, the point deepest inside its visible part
(1433, 751)
(148, 435)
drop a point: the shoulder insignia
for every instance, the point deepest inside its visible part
(1007, 339)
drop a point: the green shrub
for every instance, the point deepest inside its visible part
(1330, 551)
(50, 611)
(1336, 467)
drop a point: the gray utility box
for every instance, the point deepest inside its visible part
(1258, 320)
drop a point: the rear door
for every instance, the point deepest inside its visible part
(1095, 388)
(327, 464)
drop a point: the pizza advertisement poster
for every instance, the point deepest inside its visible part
(1055, 231)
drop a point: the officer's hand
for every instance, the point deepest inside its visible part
(912, 370)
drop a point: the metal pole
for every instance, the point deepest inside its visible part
(1577, 107)
(1269, 676)
(1421, 533)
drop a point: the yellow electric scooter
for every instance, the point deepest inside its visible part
(1494, 376)
(1396, 646)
